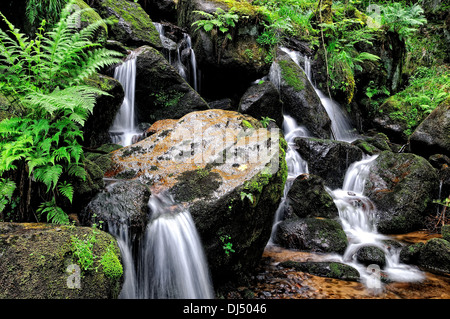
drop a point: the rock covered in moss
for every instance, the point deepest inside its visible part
(433, 255)
(445, 231)
(133, 25)
(161, 92)
(299, 97)
(312, 234)
(307, 197)
(38, 262)
(324, 269)
(402, 186)
(227, 169)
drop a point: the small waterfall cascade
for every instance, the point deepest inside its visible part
(180, 55)
(124, 131)
(357, 214)
(296, 165)
(170, 261)
(340, 122)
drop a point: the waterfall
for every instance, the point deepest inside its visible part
(357, 214)
(296, 165)
(123, 131)
(170, 258)
(175, 54)
(340, 122)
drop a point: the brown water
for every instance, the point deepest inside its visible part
(273, 282)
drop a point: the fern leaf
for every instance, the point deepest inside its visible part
(54, 213)
(66, 189)
(49, 175)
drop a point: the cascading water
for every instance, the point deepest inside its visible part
(123, 130)
(358, 217)
(296, 165)
(170, 258)
(357, 212)
(340, 123)
(174, 52)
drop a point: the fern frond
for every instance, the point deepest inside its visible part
(66, 189)
(54, 213)
(49, 175)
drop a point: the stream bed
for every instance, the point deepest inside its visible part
(271, 281)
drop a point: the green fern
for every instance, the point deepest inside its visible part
(45, 77)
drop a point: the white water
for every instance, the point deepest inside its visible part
(173, 52)
(340, 122)
(357, 214)
(123, 131)
(295, 163)
(172, 263)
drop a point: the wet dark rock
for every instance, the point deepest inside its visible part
(97, 125)
(307, 197)
(328, 159)
(161, 92)
(123, 202)
(262, 100)
(402, 187)
(312, 234)
(368, 255)
(324, 269)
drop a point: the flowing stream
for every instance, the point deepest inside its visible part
(357, 212)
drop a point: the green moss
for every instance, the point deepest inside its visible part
(110, 262)
(290, 75)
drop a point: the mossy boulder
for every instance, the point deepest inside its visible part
(161, 92)
(299, 97)
(324, 269)
(312, 234)
(432, 136)
(433, 255)
(328, 159)
(307, 197)
(445, 231)
(38, 262)
(227, 169)
(133, 25)
(402, 187)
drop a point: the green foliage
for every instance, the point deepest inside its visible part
(44, 79)
(220, 20)
(49, 10)
(7, 188)
(83, 250)
(427, 88)
(401, 19)
(227, 246)
(265, 120)
(245, 195)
